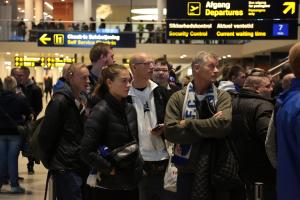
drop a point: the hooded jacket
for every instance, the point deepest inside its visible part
(61, 133)
(287, 123)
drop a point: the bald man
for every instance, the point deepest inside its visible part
(287, 123)
(150, 101)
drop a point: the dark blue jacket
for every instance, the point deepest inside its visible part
(17, 107)
(288, 143)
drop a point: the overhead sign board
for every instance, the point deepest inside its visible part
(42, 61)
(29, 61)
(86, 39)
(232, 19)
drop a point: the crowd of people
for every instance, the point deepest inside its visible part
(107, 129)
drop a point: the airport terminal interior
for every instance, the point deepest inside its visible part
(46, 35)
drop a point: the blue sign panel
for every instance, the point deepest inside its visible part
(86, 39)
(280, 29)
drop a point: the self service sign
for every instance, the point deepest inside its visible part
(86, 39)
(232, 19)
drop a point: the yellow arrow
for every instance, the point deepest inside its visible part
(44, 39)
(289, 6)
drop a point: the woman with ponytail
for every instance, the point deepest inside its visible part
(112, 124)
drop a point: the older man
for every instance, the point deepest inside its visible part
(194, 115)
(149, 100)
(288, 134)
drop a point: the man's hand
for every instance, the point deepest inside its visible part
(113, 172)
(158, 130)
(218, 114)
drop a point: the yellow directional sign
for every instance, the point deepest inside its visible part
(290, 6)
(44, 39)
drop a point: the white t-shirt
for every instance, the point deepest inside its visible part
(151, 147)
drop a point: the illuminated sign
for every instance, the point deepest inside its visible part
(42, 61)
(29, 61)
(231, 19)
(86, 39)
(59, 62)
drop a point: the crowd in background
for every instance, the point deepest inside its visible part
(112, 131)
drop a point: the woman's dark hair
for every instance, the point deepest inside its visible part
(110, 72)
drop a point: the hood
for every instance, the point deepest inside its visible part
(66, 91)
(6, 97)
(59, 84)
(227, 86)
(252, 94)
(152, 85)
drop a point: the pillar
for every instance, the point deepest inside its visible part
(38, 11)
(87, 8)
(161, 4)
(28, 15)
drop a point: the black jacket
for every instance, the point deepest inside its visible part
(61, 133)
(111, 124)
(17, 107)
(250, 120)
(35, 97)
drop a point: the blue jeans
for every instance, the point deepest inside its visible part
(9, 151)
(68, 185)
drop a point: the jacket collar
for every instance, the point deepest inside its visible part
(151, 85)
(252, 94)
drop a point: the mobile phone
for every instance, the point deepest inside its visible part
(157, 127)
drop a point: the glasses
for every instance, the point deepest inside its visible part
(148, 63)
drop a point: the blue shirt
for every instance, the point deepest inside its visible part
(288, 143)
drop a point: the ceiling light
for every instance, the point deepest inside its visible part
(56, 54)
(228, 56)
(224, 57)
(49, 5)
(61, 55)
(19, 8)
(7, 53)
(147, 11)
(145, 17)
(6, 1)
(16, 54)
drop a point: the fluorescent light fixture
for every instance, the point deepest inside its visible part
(147, 11)
(228, 56)
(7, 53)
(49, 5)
(189, 71)
(224, 57)
(145, 17)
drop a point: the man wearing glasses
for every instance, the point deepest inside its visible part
(149, 100)
(161, 75)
